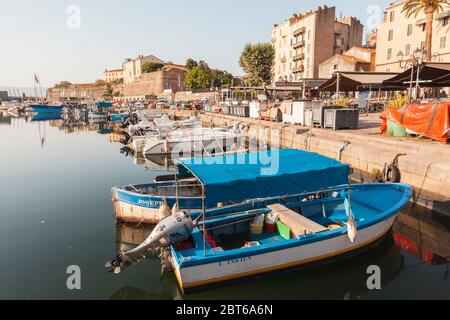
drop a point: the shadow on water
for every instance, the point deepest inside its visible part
(340, 280)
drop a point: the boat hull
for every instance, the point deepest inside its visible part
(140, 208)
(46, 109)
(295, 257)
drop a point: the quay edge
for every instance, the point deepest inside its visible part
(425, 165)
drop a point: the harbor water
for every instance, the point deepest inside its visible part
(56, 212)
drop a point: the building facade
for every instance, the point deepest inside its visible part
(132, 69)
(356, 59)
(399, 34)
(305, 40)
(112, 75)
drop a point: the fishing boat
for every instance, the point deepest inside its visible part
(47, 108)
(98, 113)
(305, 170)
(161, 126)
(145, 120)
(301, 231)
(184, 140)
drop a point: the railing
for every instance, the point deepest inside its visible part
(300, 56)
(298, 44)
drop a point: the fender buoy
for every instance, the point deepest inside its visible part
(392, 174)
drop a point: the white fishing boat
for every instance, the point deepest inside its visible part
(193, 140)
(145, 120)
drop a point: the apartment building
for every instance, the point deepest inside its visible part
(399, 34)
(306, 40)
(112, 75)
(356, 59)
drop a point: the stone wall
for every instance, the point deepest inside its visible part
(425, 165)
(81, 91)
(155, 83)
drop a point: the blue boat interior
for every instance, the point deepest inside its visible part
(229, 229)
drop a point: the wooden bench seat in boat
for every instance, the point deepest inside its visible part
(298, 224)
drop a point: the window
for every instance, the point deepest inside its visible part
(410, 30)
(389, 54)
(443, 42)
(392, 16)
(408, 50)
(422, 45)
(388, 70)
(445, 21)
(309, 35)
(391, 35)
(336, 66)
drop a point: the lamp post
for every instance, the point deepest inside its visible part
(413, 61)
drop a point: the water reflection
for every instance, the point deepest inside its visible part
(414, 260)
(424, 235)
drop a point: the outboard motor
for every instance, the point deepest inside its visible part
(169, 231)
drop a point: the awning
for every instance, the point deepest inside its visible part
(421, 21)
(273, 173)
(358, 81)
(443, 15)
(430, 75)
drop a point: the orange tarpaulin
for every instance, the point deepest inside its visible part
(432, 120)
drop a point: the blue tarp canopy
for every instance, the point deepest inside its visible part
(241, 177)
(104, 104)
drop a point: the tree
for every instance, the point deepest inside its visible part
(100, 83)
(257, 60)
(197, 78)
(63, 85)
(151, 67)
(109, 91)
(220, 78)
(191, 64)
(429, 7)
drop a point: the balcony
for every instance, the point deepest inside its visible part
(299, 31)
(300, 56)
(298, 44)
(298, 69)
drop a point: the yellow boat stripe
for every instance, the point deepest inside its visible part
(268, 269)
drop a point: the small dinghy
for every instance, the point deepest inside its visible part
(227, 179)
(273, 234)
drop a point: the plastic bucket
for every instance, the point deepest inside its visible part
(256, 229)
(395, 129)
(269, 224)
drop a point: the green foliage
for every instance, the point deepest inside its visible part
(191, 64)
(414, 7)
(343, 102)
(257, 61)
(109, 91)
(151, 67)
(201, 76)
(197, 78)
(100, 83)
(399, 102)
(63, 85)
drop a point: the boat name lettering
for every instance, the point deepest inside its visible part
(150, 203)
(235, 261)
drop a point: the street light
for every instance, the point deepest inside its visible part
(413, 61)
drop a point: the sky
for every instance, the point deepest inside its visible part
(76, 40)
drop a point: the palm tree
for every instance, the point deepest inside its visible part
(429, 7)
